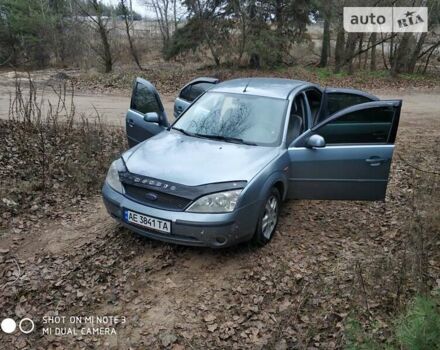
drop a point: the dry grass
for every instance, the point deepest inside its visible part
(50, 156)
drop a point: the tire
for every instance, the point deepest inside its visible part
(266, 230)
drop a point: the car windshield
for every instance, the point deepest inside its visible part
(235, 118)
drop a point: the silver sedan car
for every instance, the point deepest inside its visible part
(219, 174)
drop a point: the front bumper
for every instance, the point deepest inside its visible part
(193, 229)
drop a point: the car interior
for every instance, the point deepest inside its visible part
(296, 119)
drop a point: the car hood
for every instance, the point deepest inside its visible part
(191, 161)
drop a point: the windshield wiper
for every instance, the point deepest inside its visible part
(184, 132)
(227, 139)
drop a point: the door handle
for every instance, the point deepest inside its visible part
(130, 122)
(375, 161)
(179, 108)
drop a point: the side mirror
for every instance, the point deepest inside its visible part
(315, 141)
(151, 117)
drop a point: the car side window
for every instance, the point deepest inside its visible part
(296, 119)
(314, 98)
(144, 100)
(185, 93)
(371, 125)
(198, 89)
(337, 101)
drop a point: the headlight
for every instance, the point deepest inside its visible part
(221, 202)
(112, 178)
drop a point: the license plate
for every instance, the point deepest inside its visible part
(147, 221)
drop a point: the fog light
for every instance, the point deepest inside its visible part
(220, 239)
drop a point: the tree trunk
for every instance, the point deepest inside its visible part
(373, 39)
(415, 54)
(130, 41)
(402, 55)
(391, 52)
(279, 19)
(339, 49)
(361, 43)
(254, 59)
(175, 14)
(107, 55)
(213, 53)
(325, 43)
(350, 47)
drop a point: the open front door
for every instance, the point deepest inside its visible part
(144, 99)
(350, 156)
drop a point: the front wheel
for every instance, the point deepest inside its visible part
(268, 219)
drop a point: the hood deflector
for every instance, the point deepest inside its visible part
(179, 190)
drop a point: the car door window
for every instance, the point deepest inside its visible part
(185, 93)
(337, 101)
(198, 89)
(370, 125)
(296, 119)
(144, 100)
(314, 98)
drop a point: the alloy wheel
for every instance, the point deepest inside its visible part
(270, 217)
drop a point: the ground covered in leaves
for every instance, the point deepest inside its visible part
(49, 163)
(329, 263)
(171, 76)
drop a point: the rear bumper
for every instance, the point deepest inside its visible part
(193, 229)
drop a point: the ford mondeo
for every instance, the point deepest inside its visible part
(219, 173)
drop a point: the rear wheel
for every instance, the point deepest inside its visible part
(268, 219)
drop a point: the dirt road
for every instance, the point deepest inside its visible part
(326, 259)
(112, 107)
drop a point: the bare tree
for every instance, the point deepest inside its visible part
(128, 24)
(93, 9)
(166, 16)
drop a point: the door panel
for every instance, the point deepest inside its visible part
(340, 172)
(355, 163)
(144, 99)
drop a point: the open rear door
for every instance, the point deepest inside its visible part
(144, 99)
(192, 91)
(352, 160)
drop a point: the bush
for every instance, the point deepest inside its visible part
(419, 327)
(357, 338)
(416, 329)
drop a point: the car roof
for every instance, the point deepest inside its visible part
(268, 87)
(203, 80)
